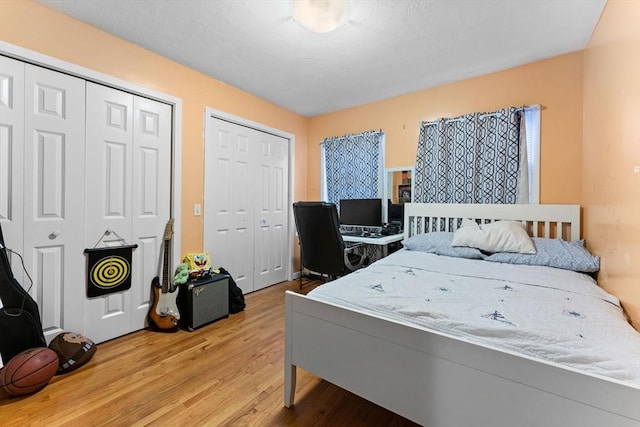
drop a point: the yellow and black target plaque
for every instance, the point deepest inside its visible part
(108, 270)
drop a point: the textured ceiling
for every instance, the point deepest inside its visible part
(386, 48)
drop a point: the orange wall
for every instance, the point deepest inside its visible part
(29, 25)
(611, 151)
(555, 83)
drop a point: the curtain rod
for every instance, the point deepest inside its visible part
(497, 113)
(351, 134)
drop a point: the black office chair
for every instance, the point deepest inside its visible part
(322, 249)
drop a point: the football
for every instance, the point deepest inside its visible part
(73, 350)
(29, 371)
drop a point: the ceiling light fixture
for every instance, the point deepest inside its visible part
(320, 16)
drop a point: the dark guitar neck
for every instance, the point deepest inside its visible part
(165, 269)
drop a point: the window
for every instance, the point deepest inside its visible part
(480, 158)
(532, 127)
(352, 167)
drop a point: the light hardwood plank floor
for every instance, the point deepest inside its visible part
(229, 373)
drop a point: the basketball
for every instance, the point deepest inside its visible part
(29, 371)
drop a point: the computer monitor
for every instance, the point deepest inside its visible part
(362, 212)
(395, 214)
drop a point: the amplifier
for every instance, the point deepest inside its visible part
(203, 301)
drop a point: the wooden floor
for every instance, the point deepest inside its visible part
(229, 373)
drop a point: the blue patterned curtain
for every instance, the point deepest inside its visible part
(474, 158)
(353, 166)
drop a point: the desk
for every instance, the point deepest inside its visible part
(375, 241)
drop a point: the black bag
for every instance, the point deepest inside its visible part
(20, 325)
(236, 298)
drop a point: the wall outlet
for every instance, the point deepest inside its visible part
(197, 209)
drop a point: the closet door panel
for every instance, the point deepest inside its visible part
(271, 210)
(109, 145)
(53, 188)
(229, 197)
(151, 201)
(11, 158)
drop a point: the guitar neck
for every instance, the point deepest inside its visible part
(165, 267)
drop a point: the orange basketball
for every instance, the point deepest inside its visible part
(29, 371)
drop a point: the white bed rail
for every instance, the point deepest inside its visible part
(441, 381)
(550, 221)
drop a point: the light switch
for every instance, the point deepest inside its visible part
(197, 209)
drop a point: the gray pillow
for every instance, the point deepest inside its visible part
(553, 253)
(439, 243)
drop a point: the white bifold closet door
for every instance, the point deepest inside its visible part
(128, 193)
(65, 181)
(12, 157)
(42, 117)
(246, 196)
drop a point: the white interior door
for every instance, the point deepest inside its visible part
(151, 205)
(11, 158)
(271, 204)
(53, 188)
(128, 196)
(246, 193)
(108, 194)
(229, 205)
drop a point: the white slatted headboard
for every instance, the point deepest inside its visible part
(551, 221)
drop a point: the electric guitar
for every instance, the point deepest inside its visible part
(163, 314)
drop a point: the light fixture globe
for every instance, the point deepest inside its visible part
(320, 16)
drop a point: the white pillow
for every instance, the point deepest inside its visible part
(499, 236)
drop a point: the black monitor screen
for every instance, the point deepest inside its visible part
(367, 212)
(395, 214)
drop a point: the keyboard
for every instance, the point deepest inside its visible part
(361, 234)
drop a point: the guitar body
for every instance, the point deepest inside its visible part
(163, 314)
(162, 317)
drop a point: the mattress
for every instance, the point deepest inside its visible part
(546, 313)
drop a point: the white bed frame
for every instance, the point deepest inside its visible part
(437, 380)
